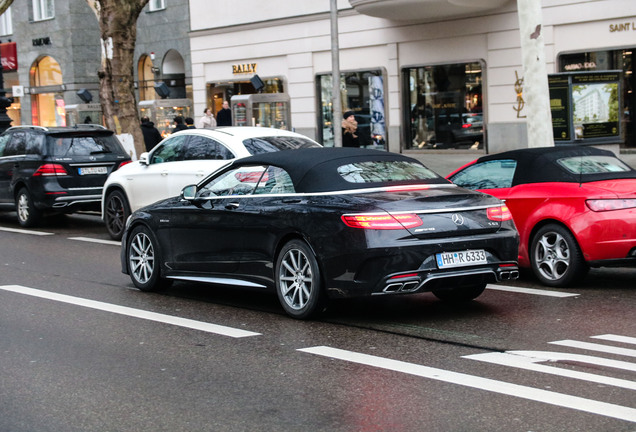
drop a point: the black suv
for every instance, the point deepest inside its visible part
(58, 169)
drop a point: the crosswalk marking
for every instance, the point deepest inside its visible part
(596, 347)
(533, 291)
(137, 313)
(616, 338)
(94, 240)
(23, 231)
(501, 387)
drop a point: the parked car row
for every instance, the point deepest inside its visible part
(272, 209)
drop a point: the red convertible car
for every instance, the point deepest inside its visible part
(574, 207)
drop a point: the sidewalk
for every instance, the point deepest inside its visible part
(443, 163)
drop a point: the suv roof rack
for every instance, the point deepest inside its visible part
(53, 128)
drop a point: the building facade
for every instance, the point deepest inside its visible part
(418, 75)
(59, 54)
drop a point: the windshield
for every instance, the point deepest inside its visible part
(276, 143)
(62, 146)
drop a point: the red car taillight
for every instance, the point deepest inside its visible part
(382, 222)
(600, 205)
(501, 213)
(124, 163)
(50, 170)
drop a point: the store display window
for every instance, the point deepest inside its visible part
(362, 93)
(443, 106)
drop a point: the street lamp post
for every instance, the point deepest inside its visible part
(5, 102)
(336, 99)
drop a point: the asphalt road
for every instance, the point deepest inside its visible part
(82, 350)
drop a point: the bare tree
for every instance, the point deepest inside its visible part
(4, 5)
(118, 29)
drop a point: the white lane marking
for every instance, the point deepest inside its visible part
(23, 231)
(527, 360)
(616, 338)
(596, 347)
(501, 387)
(531, 291)
(137, 313)
(94, 240)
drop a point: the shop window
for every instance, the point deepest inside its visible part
(43, 9)
(362, 93)
(47, 109)
(6, 24)
(156, 5)
(444, 106)
(610, 60)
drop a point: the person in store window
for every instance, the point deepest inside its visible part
(207, 121)
(349, 130)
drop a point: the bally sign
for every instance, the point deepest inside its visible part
(9, 56)
(244, 68)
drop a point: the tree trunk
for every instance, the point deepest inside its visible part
(118, 28)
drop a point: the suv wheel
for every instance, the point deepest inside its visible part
(28, 215)
(116, 211)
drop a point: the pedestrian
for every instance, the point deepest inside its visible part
(179, 126)
(224, 116)
(189, 121)
(152, 137)
(349, 129)
(207, 121)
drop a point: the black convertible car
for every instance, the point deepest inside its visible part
(325, 223)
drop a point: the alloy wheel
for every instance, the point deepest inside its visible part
(552, 256)
(296, 281)
(141, 258)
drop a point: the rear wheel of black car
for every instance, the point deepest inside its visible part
(555, 256)
(116, 211)
(460, 294)
(28, 215)
(144, 260)
(298, 280)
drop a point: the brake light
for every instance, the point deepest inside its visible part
(47, 170)
(610, 204)
(382, 222)
(466, 125)
(124, 163)
(402, 276)
(501, 213)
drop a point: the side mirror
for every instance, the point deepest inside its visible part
(189, 192)
(143, 158)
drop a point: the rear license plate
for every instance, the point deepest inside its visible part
(92, 170)
(461, 258)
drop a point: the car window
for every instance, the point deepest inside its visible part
(275, 181)
(4, 139)
(487, 175)
(592, 164)
(16, 145)
(34, 144)
(235, 182)
(270, 144)
(224, 152)
(383, 171)
(169, 150)
(200, 148)
(74, 145)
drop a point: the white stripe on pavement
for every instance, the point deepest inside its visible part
(94, 240)
(616, 338)
(137, 313)
(501, 387)
(596, 347)
(23, 231)
(531, 291)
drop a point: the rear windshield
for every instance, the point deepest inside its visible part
(61, 146)
(385, 171)
(593, 164)
(276, 143)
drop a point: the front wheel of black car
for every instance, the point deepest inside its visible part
(555, 256)
(460, 294)
(28, 215)
(144, 260)
(116, 211)
(298, 280)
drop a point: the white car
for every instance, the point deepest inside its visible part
(181, 159)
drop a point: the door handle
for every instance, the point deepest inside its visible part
(232, 206)
(164, 173)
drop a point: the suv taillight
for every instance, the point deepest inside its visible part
(50, 170)
(123, 163)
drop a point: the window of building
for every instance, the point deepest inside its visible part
(443, 106)
(146, 76)
(47, 109)
(156, 5)
(43, 9)
(362, 93)
(610, 60)
(6, 24)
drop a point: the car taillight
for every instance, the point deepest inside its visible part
(50, 170)
(501, 213)
(382, 222)
(124, 163)
(599, 205)
(466, 125)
